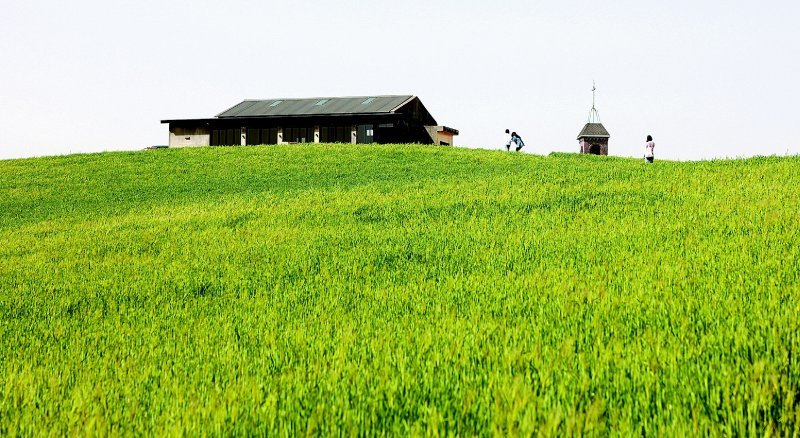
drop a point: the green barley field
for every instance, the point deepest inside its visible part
(398, 290)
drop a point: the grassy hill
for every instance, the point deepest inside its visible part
(402, 289)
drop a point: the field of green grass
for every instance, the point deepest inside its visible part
(292, 290)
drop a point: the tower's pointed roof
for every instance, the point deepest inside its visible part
(594, 130)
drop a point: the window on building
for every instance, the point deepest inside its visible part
(253, 136)
(276, 103)
(226, 137)
(322, 102)
(269, 136)
(298, 135)
(368, 101)
(334, 134)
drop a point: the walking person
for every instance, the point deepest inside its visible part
(517, 140)
(507, 139)
(648, 149)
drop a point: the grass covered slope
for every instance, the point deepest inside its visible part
(398, 288)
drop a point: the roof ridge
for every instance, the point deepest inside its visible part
(286, 99)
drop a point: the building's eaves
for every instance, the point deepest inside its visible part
(404, 103)
(279, 117)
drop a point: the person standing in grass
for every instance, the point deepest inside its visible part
(507, 139)
(648, 149)
(517, 140)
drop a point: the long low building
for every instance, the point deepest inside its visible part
(366, 119)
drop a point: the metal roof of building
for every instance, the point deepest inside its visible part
(316, 106)
(596, 130)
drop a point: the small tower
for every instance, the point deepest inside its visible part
(593, 138)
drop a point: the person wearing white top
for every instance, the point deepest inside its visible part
(648, 149)
(507, 140)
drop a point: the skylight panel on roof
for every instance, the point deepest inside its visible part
(322, 102)
(276, 103)
(368, 101)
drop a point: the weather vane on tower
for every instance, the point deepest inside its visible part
(594, 116)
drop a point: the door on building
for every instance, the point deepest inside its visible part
(595, 149)
(365, 134)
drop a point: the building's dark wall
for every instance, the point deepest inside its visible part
(415, 117)
(382, 129)
(416, 112)
(591, 145)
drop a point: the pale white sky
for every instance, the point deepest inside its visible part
(706, 79)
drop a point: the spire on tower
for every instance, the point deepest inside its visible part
(594, 116)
